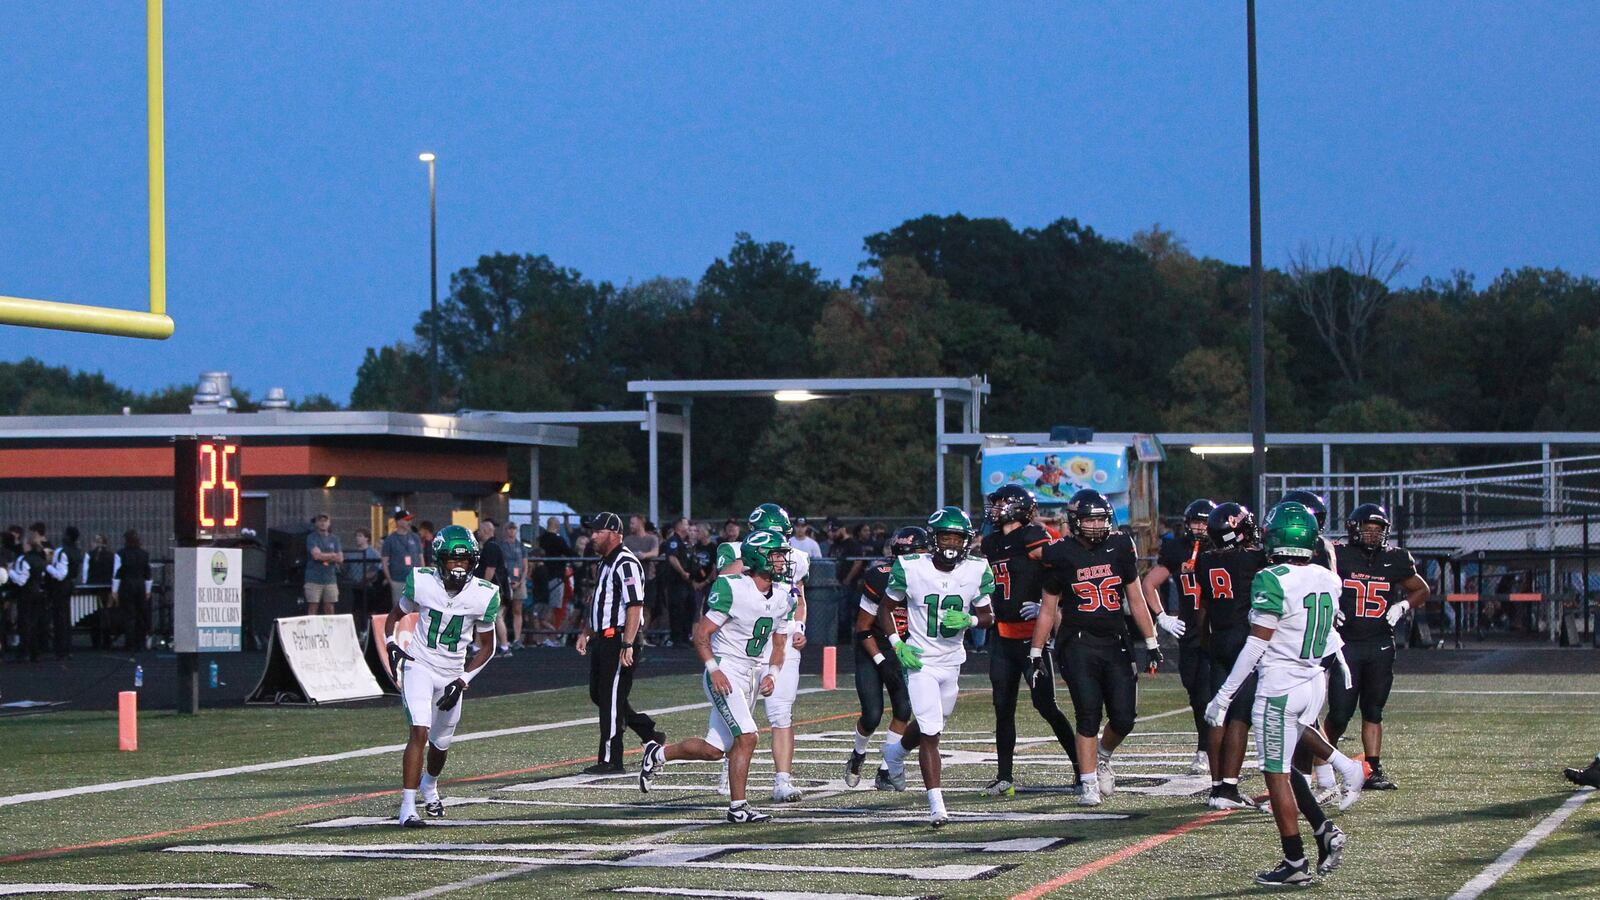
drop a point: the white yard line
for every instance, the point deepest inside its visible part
(300, 761)
(1497, 870)
(1501, 693)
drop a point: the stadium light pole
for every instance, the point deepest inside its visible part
(1258, 313)
(433, 286)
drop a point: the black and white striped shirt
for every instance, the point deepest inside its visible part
(618, 585)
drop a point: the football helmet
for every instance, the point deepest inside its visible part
(771, 517)
(1194, 517)
(1231, 525)
(765, 553)
(952, 534)
(910, 539)
(455, 552)
(1310, 500)
(1367, 514)
(1085, 507)
(1292, 531)
(1011, 503)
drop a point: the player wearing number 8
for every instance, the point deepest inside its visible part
(943, 593)
(455, 612)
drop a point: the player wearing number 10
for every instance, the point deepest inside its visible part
(744, 613)
(943, 593)
(1292, 606)
(455, 612)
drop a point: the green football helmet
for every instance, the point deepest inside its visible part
(765, 553)
(455, 543)
(771, 517)
(1292, 531)
(952, 521)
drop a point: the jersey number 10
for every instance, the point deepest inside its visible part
(1319, 621)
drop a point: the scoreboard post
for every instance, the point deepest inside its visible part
(208, 587)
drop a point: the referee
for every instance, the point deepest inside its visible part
(612, 631)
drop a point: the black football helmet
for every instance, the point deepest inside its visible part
(1196, 515)
(1085, 505)
(1232, 525)
(1367, 514)
(1312, 501)
(910, 539)
(1012, 503)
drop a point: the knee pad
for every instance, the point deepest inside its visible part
(1122, 726)
(1371, 712)
(868, 725)
(1089, 726)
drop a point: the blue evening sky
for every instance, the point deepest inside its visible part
(629, 140)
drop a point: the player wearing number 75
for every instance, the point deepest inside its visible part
(744, 613)
(455, 611)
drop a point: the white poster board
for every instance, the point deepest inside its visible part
(207, 599)
(315, 659)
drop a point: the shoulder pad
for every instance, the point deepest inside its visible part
(487, 584)
(426, 570)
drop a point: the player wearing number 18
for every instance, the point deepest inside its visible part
(455, 612)
(943, 593)
(744, 613)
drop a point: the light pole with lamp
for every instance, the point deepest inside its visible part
(433, 287)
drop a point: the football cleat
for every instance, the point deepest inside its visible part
(852, 768)
(939, 821)
(1000, 787)
(1330, 849)
(1351, 772)
(1327, 796)
(1227, 796)
(1201, 765)
(746, 813)
(784, 792)
(1108, 776)
(1379, 781)
(413, 821)
(1089, 794)
(1588, 776)
(435, 808)
(1286, 874)
(885, 781)
(654, 760)
(600, 768)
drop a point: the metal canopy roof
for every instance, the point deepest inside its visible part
(290, 424)
(756, 387)
(1316, 439)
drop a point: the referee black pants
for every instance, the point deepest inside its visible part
(609, 684)
(1008, 665)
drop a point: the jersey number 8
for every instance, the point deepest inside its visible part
(760, 630)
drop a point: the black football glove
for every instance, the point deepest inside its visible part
(889, 674)
(1153, 659)
(395, 655)
(1036, 670)
(452, 695)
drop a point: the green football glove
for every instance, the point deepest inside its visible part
(955, 619)
(910, 657)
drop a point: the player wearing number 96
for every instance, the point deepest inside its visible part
(744, 613)
(943, 594)
(455, 611)
(1096, 570)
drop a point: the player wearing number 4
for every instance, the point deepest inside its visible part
(743, 614)
(1098, 571)
(943, 594)
(1292, 606)
(455, 611)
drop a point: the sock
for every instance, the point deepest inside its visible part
(1090, 780)
(430, 788)
(737, 804)
(936, 801)
(408, 803)
(1232, 781)
(894, 755)
(780, 778)
(1373, 761)
(1294, 849)
(1215, 785)
(1304, 799)
(1104, 754)
(1597, 759)
(1325, 776)
(861, 743)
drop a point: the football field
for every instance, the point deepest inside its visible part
(300, 803)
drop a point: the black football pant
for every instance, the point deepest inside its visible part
(1099, 674)
(1372, 676)
(1194, 667)
(870, 686)
(1008, 667)
(1224, 650)
(609, 684)
(679, 597)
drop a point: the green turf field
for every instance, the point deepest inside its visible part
(1477, 772)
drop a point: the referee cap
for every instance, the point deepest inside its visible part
(606, 521)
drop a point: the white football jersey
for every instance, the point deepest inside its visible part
(447, 625)
(928, 592)
(746, 619)
(1303, 599)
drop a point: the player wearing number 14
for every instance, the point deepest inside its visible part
(455, 612)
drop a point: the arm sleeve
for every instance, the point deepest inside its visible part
(490, 613)
(1254, 649)
(717, 617)
(408, 595)
(1406, 564)
(1127, 562)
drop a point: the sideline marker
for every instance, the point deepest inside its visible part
(128, 720)
(830, 667)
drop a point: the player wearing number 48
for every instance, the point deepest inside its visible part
(455, 612)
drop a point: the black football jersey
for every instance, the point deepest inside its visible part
(874, 587)
(1371, 582)
(1017, 577)
(1225, 578)
(1178, 556)
(1091, 581)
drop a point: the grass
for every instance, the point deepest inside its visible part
(1476, 773)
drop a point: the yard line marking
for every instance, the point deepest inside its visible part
(104, 787)
(654, 842)
(20, 888)
(1500, 693)
(861, 816)
(759, 895)
(323, 804)
(1497, 870)
(1111, 859)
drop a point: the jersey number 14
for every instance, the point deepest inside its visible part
(450, 637)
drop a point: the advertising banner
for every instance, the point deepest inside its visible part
(1054, 474)
(207, 599)
(315, 659)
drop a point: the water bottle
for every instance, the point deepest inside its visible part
(213, 678)
(138, 676)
